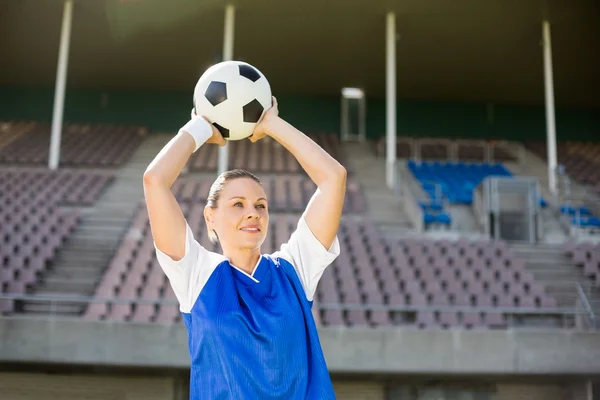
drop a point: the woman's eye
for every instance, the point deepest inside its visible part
(238, 204)
(261, 206)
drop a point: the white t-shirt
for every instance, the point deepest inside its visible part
(253, 336)
(189, 274)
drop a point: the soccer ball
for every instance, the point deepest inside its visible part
(233, 96)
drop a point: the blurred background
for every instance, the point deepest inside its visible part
(470, 265)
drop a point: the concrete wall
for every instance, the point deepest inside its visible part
(500, 389)
(121, 386)
(29, 386)
(346, 350)
(113, 386)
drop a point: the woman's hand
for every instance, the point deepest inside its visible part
(216, 137)
(262, 128)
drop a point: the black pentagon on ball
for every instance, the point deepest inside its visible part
(216, 92)
(224, 131)
(253, 111)
(249, 72)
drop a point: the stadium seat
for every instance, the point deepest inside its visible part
(33, 222)
(453, 181)
(439, 149)
(82, 145)
(286, 193)
(427, 273)
(585, 256)
(568, 209)
(580, 216)
(266, 155)
(580, 159)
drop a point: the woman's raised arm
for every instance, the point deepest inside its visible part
(324, 210)
(167, 221)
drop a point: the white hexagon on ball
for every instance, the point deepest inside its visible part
(233, 96)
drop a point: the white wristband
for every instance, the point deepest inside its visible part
(199, 129)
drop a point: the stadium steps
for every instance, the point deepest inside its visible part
(463, 218)
(384, 207)
(551, 267)
(81, 262)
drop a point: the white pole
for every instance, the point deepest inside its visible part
(228, 38)
(550, 121)
(390, 39)
(59, 90)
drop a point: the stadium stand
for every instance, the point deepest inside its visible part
(453, 181)
(443, 149)
(370, 272)
(581, 217)
(582, 164)
(580, 159)
(13, 130)
(448, 183)
(82, 145)
(265, 156)
(286, 193)
(418, 273)
(38, 211)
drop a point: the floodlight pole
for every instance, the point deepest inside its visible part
(550, 121)
(59, 90)
(228, 39)
(390, 41)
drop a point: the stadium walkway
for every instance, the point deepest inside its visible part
(385, 208)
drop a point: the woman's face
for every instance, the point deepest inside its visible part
(241, 218)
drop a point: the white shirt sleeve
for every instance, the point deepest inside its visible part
(308, 256)
(188, 275)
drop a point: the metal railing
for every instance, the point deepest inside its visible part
(568, 316)
(67, 298)
(575, 194)
(585, 304)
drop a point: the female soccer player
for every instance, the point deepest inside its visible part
(251, 334)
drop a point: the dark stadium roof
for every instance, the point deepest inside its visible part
(459, 49)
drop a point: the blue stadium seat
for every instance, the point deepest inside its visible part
(585, 211)
(579, 221)
(428, 218)
(586, 222)
(567, 209)
(431, 206)
(594, 222)
(580, 216)
(453, 181)
(570, 210)
(441, 218)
